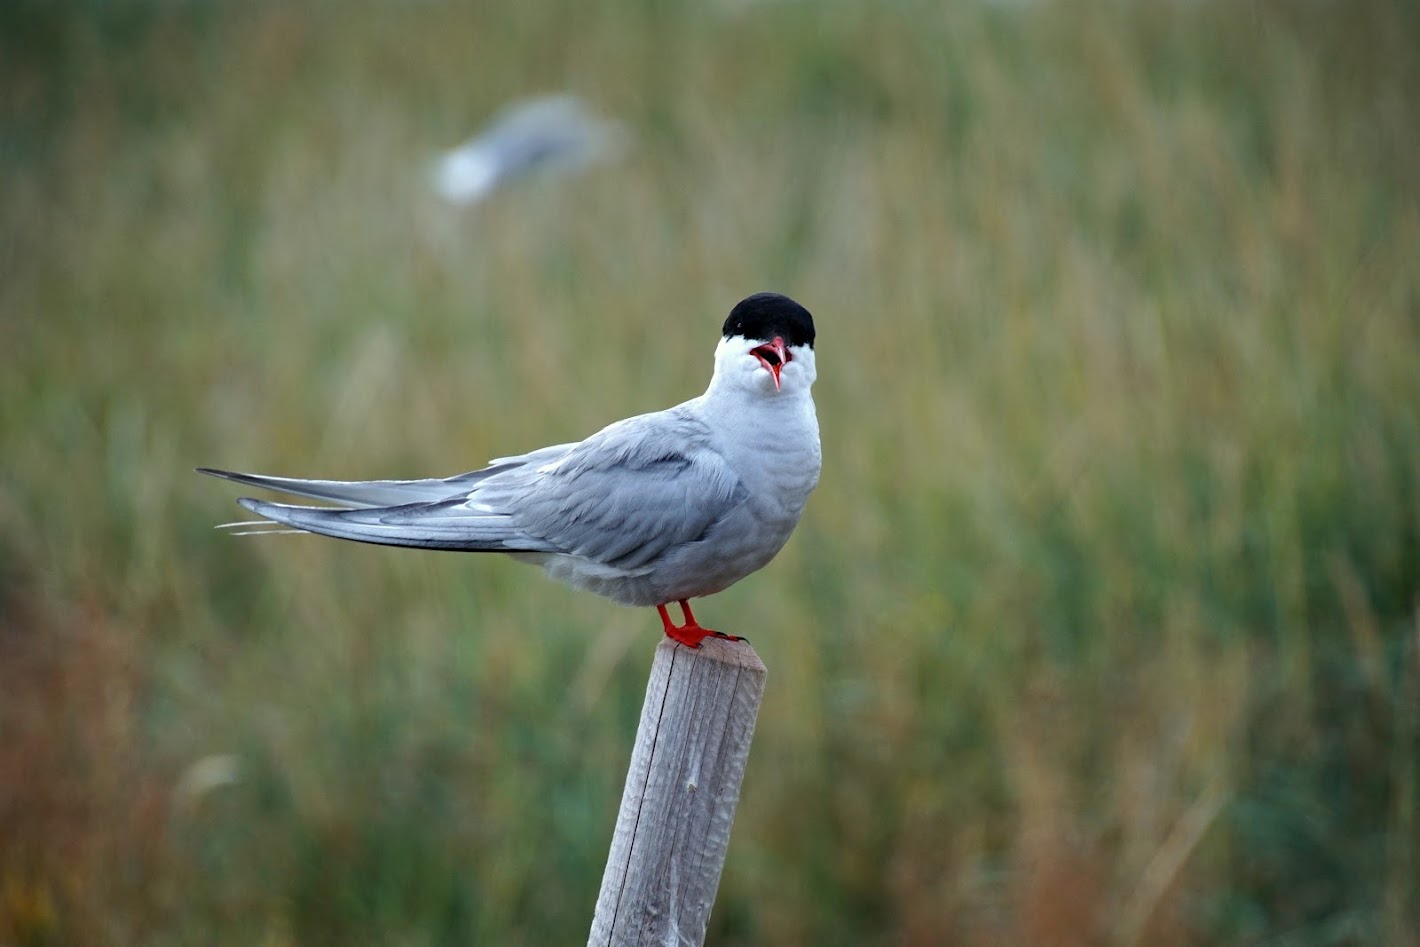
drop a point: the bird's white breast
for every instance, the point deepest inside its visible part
(773, 445)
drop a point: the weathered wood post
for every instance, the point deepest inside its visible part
(681, 791)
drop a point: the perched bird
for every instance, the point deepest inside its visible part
(543, 135)
(658, 508)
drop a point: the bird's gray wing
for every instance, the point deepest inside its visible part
(450, 524)
(366, 494)
(624, 495)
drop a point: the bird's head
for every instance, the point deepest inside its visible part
(768, 346)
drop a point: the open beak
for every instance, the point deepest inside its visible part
(773, 356)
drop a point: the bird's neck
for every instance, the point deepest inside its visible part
(729, 407)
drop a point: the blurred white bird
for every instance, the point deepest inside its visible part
(548, 134)
(659, 508)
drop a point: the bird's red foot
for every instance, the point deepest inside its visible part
(690, 634)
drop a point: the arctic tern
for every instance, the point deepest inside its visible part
(655, 509)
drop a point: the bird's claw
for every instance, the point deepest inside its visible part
(690, 634)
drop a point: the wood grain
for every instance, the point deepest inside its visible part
(682, 788)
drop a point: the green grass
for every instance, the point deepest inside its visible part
(1101, 628)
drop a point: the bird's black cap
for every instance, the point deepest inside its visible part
(765, 315)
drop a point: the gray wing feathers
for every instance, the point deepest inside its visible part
(625, 495)
(621, 498)
(362, 493)
(537, 458)
(447, 525)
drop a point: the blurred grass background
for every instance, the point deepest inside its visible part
(1101, 629)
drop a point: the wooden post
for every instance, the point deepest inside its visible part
(681, 791)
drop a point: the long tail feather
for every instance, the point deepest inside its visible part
(360, 494)
(271, 532)
(448, 525)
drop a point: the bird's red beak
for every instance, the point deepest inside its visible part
(774, 357)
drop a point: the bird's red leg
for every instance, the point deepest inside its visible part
(690, 622)
(690, 634)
